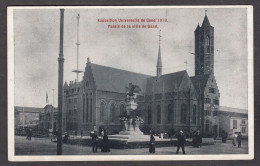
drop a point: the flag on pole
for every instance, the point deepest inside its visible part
(47, 100)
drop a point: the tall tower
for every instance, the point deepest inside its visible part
(77, 71)
(204, 48)
(159, 60)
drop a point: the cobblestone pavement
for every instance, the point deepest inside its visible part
(44, 146)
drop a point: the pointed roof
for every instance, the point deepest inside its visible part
(200, 81)
(165, 83)
(205, 22)
(115, 80)
(198, 27)
(159, 60)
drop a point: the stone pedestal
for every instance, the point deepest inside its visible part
(131, 131)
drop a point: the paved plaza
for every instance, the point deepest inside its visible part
(44, 146)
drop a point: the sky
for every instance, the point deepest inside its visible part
(36, 47)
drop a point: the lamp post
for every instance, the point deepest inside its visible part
(60, 85)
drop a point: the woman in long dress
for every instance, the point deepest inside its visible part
(152, 144)
(105, 143)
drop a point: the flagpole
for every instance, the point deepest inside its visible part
(60, 85)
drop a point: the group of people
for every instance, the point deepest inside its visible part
(180, 143)
(104, 145)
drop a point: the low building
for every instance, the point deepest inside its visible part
(233, 120)
(26, 116)
(48, 118)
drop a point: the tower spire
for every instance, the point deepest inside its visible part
(77, 71)
(159, 60)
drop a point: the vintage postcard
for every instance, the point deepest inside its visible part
(130, 83)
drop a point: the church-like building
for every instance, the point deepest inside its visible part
(166, 101)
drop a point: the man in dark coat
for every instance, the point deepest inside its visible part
(152, 144)
(180, 142)
(94, 139)
(239, 139)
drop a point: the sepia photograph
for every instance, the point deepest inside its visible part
(130, 83)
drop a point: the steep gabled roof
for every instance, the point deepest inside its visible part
(200, 81)
(165, 83)
(115, 80)
(205, 22)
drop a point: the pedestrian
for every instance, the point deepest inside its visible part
(152, 144)
(180, 142)
(94, 139)
(30, 134)
(224, 137)
(215, 137)
(234, 139)
(81, 133)
(76, 132)
(105, 147)
(239, 139)
(27, 133)
(65, 138)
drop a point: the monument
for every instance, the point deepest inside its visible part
(131, 121)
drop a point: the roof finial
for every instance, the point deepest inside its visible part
(206, 12)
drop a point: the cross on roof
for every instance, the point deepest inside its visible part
(205, 12)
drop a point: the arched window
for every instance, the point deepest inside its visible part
(194, 119)
(112, 112)
(102, 112)
(122, 110)
(207, 41)
(183, 113)
(158, 114)
(170, 113)
(149, 115)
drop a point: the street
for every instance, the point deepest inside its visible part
(44, 146)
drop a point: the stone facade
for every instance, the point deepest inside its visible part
(48, 118)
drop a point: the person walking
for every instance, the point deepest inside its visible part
(81, 133)
(105, 143)
(234, 139)
(239, 139)
(180, 142)
(152, 144)
(94, 139)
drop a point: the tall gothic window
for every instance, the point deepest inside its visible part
(122, 110)
(102, 112)
(149, 115)
(183, 113)
(170, 113)
(158, 114)
(208, 44)
(194, 119)
(207, 41)
(112, 112)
